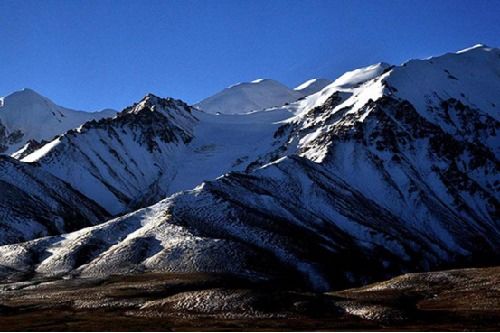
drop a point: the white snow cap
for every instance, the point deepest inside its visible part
(249, 96)
(25, 110)
(477, 46)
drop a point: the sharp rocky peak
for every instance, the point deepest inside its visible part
(151, 103)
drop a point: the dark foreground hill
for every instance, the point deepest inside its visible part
(466, 299)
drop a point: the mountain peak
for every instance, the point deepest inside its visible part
(152, 103)
(31, 116)
(29, 91)
(255, 83)
(249, 96)
(25, 96)
(474, 47)
(260, 80)
(152, 100)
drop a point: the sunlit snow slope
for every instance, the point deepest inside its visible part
(312, 86)
(249, 96)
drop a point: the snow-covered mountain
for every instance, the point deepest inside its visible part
(34, 203)
(388, 169)
(155, 148)
(258, 95)
(249, 96)
(25, 115)
(121, 162)
(312, 86)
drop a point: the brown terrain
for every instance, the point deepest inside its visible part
(464, 299)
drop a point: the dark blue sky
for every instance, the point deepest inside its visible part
(94, 54)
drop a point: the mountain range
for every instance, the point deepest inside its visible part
(385, 170)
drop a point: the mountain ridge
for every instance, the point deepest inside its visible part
(35, 204)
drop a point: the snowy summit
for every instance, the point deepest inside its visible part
(26, 115)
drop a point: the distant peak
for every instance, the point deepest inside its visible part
(151, 98)
(257, 82)
(26, 92)
(25, 96)
(475, 47)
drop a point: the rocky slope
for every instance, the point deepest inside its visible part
(22, 114)
(152, 149)
(386, 170)
(121, 162)
(34, 203)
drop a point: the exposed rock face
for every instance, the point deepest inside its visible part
(30, 147)
(7, 139)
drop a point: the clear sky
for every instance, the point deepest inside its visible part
(92, 54)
